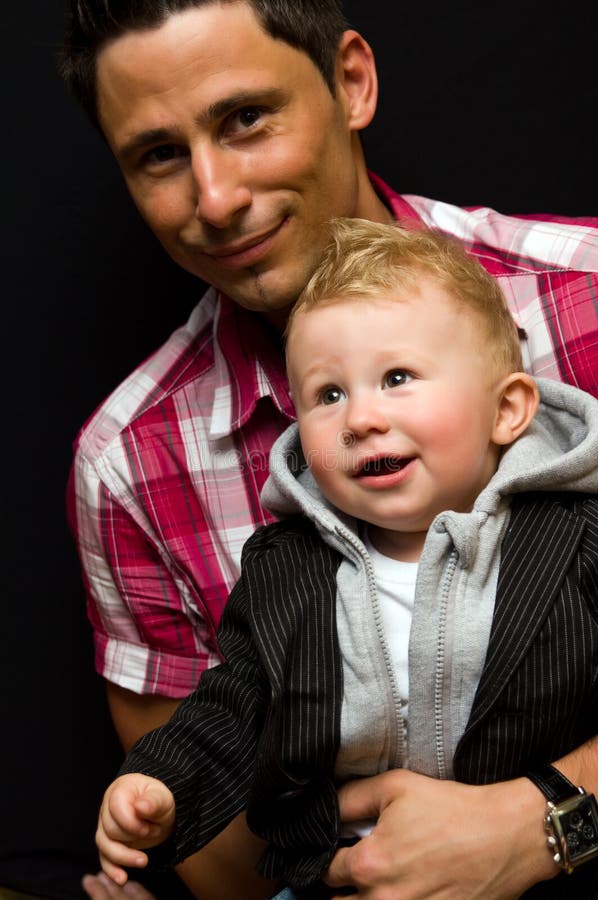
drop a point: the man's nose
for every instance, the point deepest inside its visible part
(220, 186)
(364, 414)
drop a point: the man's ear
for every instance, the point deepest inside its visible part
(356, 79)
(518, 400)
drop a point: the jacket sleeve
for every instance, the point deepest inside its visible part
(205, 754)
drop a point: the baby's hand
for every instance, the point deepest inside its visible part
(137, 811)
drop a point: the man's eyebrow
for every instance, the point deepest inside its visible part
(256, 97)
(143, 139)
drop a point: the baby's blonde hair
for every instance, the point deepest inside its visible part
(365, 258)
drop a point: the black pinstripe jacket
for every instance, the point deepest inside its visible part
(267, 732)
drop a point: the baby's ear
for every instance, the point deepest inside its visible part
(518, 400)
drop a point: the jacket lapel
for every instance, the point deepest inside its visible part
(537, 550)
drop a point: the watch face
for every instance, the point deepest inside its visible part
(576, 820)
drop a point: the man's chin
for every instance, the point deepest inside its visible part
(276, 316)
(264, 295)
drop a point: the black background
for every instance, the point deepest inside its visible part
(477, 107)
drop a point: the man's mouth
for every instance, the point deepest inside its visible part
(245, 252)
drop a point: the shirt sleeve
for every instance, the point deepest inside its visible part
(150, 634)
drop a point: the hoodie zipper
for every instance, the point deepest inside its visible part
(400, 744)
(440, 664)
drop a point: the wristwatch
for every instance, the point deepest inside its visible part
(571, 820)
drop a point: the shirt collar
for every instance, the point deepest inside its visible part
(402, 211)
(249, 365)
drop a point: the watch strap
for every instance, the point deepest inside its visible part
(553, 783)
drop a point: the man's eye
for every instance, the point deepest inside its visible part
(243, 120)
(331, 395)
(249, 116)
(165, 153)
(396, 378)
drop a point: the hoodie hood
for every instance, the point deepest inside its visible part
(559, 449)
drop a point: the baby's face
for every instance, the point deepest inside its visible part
(396, 402)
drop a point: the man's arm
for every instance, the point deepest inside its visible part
(133, 715)
(225, 867)
(441, 838)
(581, 766)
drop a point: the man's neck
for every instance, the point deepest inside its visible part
(278, 318)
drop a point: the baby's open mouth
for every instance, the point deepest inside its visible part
(383, 465)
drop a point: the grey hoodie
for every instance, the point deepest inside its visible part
(455, 590)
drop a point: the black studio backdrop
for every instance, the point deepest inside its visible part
(476, 108)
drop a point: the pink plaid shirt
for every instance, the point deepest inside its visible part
(165, 483)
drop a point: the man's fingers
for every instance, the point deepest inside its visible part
(363, 799)
(100, 887)
(95, 888)
(337, 873)
(135, 891)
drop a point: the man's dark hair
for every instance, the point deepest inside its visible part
(313, 26)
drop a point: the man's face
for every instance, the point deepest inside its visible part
(233, 148)
(396, 404)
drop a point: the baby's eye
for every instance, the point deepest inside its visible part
(396, 378)
(331, 395)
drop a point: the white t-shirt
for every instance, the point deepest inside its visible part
(395, 585)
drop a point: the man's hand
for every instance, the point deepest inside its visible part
(100, 887)
(137, 811)
(441, 839)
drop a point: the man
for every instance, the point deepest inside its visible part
(236, 126)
